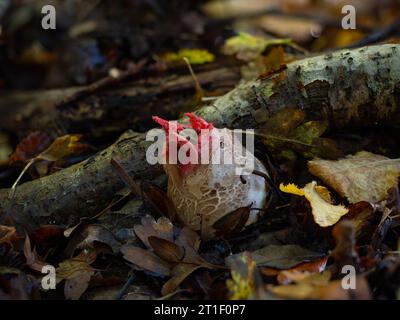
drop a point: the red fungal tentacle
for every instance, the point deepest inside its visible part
(163, 123)
(198, 123)
(166, 124)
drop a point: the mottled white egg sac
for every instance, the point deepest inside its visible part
(207, 192)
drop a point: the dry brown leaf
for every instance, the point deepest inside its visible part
(302, 271)
(8, 235)
(361, 177)
(180, 273)
(30, 147)
(32, 258)
(160, 201)
(167, 255)
(146, 259)
(166, 250)
(163, 229)
(97, 233)
(304, 288)
(232, 222)
(300, 30)
(325, 214)
(319, 287)
(76, 286)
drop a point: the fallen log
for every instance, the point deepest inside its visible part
(350, 88)
(112, 110)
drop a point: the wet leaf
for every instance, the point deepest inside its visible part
(325, 214)
(361, 177)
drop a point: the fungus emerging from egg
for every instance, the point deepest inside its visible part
(209, 173)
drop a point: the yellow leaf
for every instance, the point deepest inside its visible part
(325, 214)
(248, 47)
(37, 54)
(195, 56)
(291, 188)
(241, 286)
(361, 177)
(70, 268)
(274, 60)
(62, 147)
(8, 234)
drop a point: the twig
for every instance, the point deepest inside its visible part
(125, 288)
(126, 177)
(270, 183)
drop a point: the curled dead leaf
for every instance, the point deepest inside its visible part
(8, 235)
(319, 286)
(32, 258)
(361, 177)
(302, 271)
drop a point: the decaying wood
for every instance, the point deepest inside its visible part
(114, 109)
(347, 88)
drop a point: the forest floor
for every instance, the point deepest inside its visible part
(83, 215)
